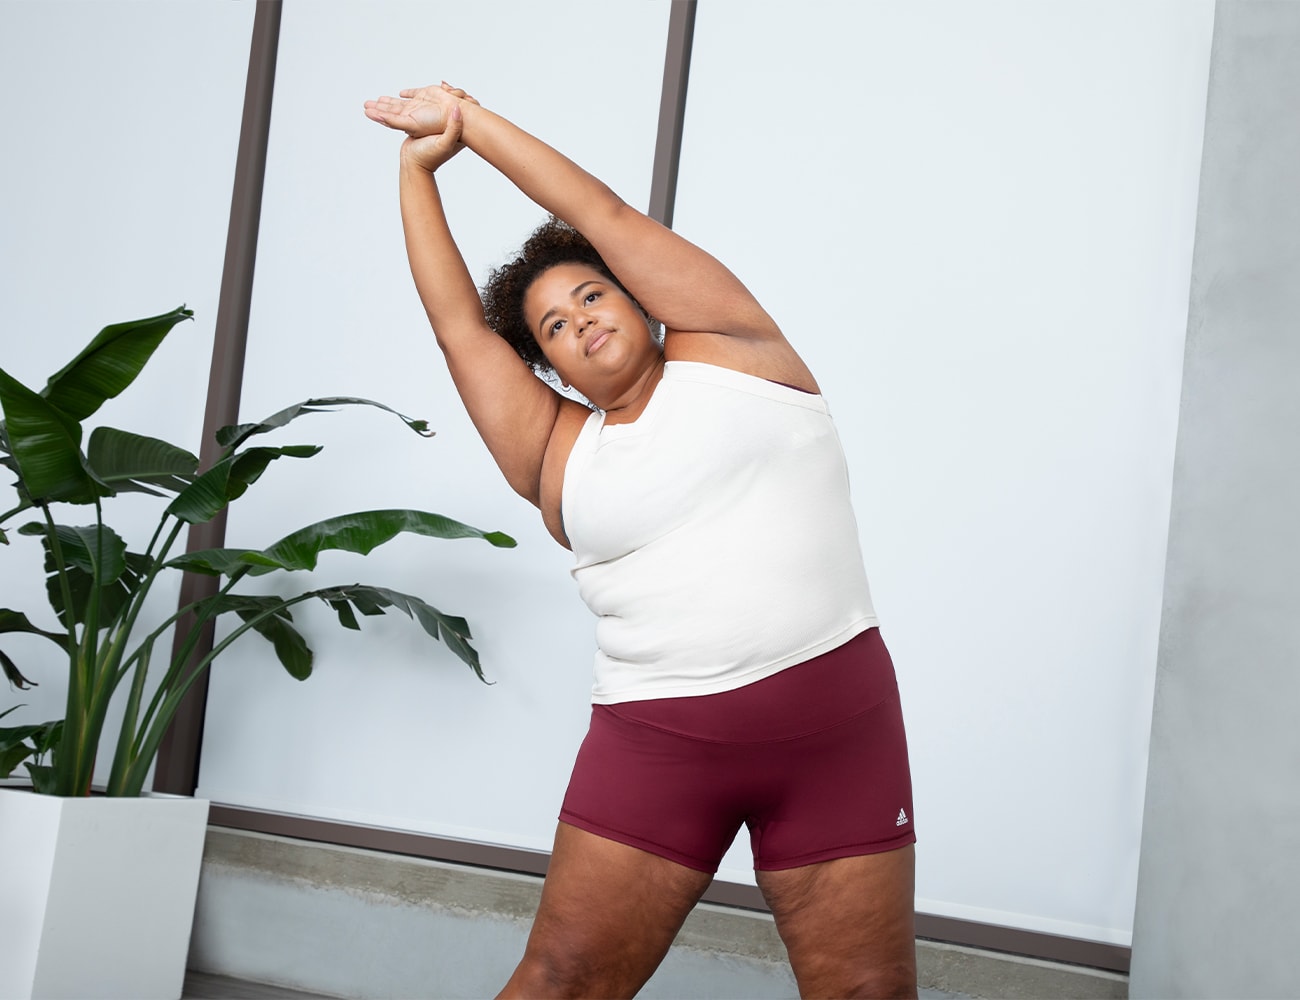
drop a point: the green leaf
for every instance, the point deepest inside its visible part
(135, 463)
(81, 576)
(450, 629)
(109, 363)
(233, 437)
(113, 598)
(290, 647)
(209, 494)
(12, 736)
(360, 532)
(12, 756)
(15, 621)
(46, 446)
(20, 742)
(45, 781)
(346, 616)
(48, 739)
(84, 547)
(10, 669)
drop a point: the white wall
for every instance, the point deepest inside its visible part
(976, 221)
(392, 730)
(119, 160)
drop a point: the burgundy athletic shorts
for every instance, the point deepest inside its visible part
(812, 759)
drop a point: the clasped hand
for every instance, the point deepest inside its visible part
(431, 119)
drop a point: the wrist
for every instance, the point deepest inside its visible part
(409, 162)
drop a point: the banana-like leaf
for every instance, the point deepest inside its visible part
(209, 494)
(99, 552)
(109, 363)
(46, 446)
(15, 677)
(233, 437)
(134, 463)
(347, 618)
(290, 647)
(45, 780)
(452, 630)
(113, 598)
(12, 756)
(15, 621)
(114, 593)
(360, 532)
(9, 462)
(20, 742)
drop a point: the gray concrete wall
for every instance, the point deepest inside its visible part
(1219, 886)
(344, 922)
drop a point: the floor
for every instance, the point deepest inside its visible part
(201, 986)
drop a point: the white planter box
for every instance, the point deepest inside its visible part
(97, 895)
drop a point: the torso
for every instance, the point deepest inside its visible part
(771, 359)
(714, 537)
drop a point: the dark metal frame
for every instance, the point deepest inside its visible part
(177, 770)
(672, 111)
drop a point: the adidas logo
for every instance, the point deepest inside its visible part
(902, 818)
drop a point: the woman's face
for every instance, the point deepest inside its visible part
(592, 333)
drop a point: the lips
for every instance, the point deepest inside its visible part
(597, 339)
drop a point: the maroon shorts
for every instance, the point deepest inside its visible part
(813, 760)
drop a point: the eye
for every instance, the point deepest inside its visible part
(555, 327)
(590, 298)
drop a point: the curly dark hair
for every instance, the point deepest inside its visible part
(553, 242)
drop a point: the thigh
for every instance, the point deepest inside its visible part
(640, 783)
(607, 917)
(848, 924)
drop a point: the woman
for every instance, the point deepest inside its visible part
(740, 676)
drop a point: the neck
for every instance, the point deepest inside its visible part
(629, 405)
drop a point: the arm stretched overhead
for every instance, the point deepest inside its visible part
(703, 306)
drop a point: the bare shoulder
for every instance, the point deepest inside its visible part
(568, 425)
(769, 357)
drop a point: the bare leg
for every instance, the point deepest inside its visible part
(607, 916)
(848, 924)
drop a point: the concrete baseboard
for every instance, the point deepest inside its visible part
(354, 923)
(996, 976)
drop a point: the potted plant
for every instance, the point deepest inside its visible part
(97, 586)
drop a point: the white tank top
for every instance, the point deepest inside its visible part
(714, 537)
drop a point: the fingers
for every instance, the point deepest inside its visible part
(426, 92)
(418, 111)
(381, 107)
(455, 126)
(458, 92)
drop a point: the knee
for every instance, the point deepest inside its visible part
(893, 981)
(854, 979)
(552, 974)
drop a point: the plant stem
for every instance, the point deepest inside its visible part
(180, 658)
(135, 780)
(72, 747)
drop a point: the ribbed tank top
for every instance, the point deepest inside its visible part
(714, 538)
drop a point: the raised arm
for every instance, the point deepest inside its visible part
(514, 412)
(675, 281)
